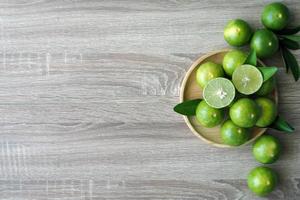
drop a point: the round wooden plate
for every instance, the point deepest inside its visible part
(190, 90)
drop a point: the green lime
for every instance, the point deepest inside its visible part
(244, 112)
(219, 92)
(232, 60)
(275, 16)
(209, 116)
(262, 180)
(267, 87)
(266, 149)
(265, 43)
(268, 111)
(237, 32)
(247, 79)
(208, 71)
(234, 135)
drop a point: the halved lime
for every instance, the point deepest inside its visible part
(219, 92)
(247, 79)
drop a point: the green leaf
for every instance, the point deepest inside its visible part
(289, 31)
(267, 72)
(281, 125)
(187, 108)
(281, 53)
(290, 62)
(290, 44)
(251, 59)
(295, 38)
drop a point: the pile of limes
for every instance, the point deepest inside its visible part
(261, 111)
(268, 40)
(237, 93)
(236, 96)
(275, 17)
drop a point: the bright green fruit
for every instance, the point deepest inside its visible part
(268, 111)
(244, 112)
(247, 79)
(234, 135)
(267, 87)
(262, 180)
(266, 149)
(232, 60)
(208, 71)
(237, 32)
(209, 116)
(275, 16)
(265, 43)
(219, 92)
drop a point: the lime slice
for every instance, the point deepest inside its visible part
(247, 79)
(219, 92)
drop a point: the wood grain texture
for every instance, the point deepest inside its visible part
(87, 91)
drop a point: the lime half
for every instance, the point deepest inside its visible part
(247, 79)
(219, 92)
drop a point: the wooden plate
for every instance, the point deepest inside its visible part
(190, 90)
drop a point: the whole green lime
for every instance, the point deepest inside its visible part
(265, 43)
(237, 32)
(266, 149)
(275, 16)
(234, 135)
(208, 116)
(232, 60)
(208, 71)
(267, 87)
(244, 112)
(262, 180)
(268, 111)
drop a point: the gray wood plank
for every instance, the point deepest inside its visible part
(87, 90)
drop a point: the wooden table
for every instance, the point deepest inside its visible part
(87, 91)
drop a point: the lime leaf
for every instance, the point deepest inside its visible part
(290, 44)
(251, 59)
(267, 72)
(281, 125)
(295, 38)
(187, 108)
(281, 53)
(289, 31)
(290, 62)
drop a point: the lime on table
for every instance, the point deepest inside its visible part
(237, 32)
(266, 149)
(265, 43)
(247, 79)
(262, 180)
(219, 92)
(275, 16)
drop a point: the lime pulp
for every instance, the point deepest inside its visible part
(219, 92)
(247, 79)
